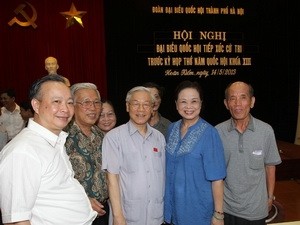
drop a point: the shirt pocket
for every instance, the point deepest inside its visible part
(132, 210)
(256, 160)
(157, 161)
(158, 209)
(131, 162)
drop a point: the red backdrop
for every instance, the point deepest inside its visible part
(80, 51)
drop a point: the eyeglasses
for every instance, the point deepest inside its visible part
(136, 105)
(87, 104)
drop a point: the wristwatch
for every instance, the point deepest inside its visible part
(272, 197)
(218, 215)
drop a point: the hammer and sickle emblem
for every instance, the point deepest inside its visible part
(30, 21)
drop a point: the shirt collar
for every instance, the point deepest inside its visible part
(76, 129)
(132, 129)
(50, 137)
(17, 109)
(250, 126)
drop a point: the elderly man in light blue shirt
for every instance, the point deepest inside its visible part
(134, 158)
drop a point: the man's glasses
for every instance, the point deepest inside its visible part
(88, 104)
(136, 105)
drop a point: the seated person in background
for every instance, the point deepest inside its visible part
(157, 120)
(3, 137)
(51, 65)
(107, 119)
(26, 111)
(10, 114)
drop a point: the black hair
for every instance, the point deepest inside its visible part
(36, 86)
(26, 105)
(10, 92)
(160, 89)
(108, 102)
(188, 84)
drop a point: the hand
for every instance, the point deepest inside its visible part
(97, 206)
(215, 221)
(119, 220)
(270, 203)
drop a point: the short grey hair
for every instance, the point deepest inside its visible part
(139, 88)
(79, 86)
